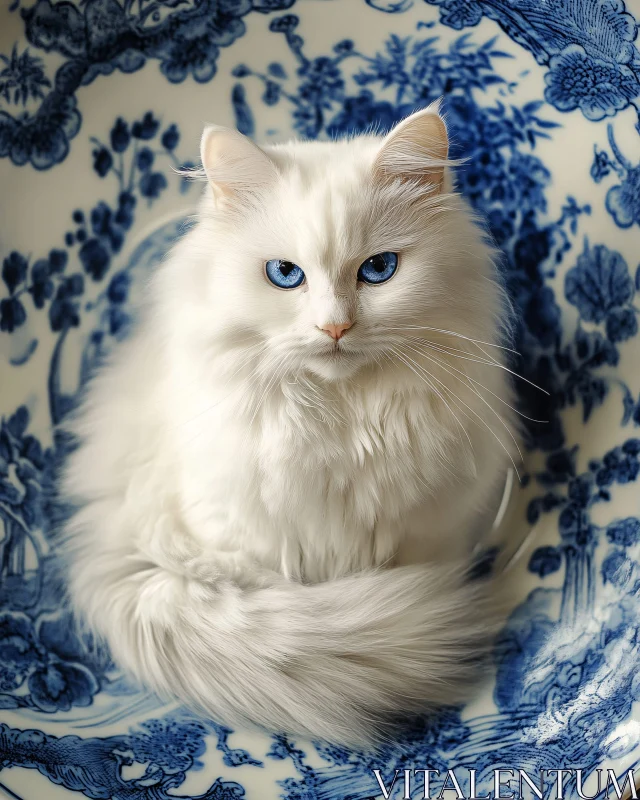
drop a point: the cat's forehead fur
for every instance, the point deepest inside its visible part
(322, 200)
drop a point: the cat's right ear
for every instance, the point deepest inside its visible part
(235, 167)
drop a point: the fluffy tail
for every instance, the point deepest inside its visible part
(338, 660)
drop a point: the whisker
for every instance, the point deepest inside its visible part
(433, 389)
(486, 425)
(480, 397)
(473, 380)
(491, 363)
(453, 333)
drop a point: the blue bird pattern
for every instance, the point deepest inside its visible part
(570, 345)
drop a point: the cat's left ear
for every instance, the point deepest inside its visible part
(234, 165)
(416, 149)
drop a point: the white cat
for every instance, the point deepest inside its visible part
(282, 473)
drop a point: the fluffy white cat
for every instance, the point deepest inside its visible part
(281, 474)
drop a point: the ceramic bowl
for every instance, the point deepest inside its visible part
(100, 102)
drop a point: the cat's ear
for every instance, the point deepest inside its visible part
(235, 166)
(416, 150)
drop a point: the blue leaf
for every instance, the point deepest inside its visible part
(545, 123)
(243, 114)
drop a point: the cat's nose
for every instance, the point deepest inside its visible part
(336, 331)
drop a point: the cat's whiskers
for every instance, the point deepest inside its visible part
(441, 364)
(453, 395)
(433, 346)
(488, 360)
(445, 459)
(425, 377)
(453, 333)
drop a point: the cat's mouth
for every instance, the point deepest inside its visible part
(335, 361)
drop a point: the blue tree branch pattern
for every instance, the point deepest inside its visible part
(97, 37)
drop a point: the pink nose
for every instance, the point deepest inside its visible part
(336, 331)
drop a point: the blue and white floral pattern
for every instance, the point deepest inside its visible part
(519, 79)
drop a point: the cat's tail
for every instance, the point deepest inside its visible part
(339, 660)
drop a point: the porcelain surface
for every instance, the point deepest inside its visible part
(100, 102)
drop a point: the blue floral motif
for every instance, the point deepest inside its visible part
(22, 77)
(46, 664)
(593, 64)
(597, 88)
(599, 284)
(98, 37)
(623, 200)
(99, 234)
(58, 686)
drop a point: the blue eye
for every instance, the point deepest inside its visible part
(284, 274)
(378, 268)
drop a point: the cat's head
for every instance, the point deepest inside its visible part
(331, 255)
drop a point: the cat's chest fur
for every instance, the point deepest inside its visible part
(321, 483)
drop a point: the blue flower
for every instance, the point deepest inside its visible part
(601, 166)
(12, 314)
(59, 686)
(102, 161)
(103, 226)
(622, 324)
(323, 82)
(170, 138)
(627, 470)
(64, 311)
(624, 532)
(119, 287)
(359, 113)
(194, 56)
(623, 201)
(124, 215)
(95, 258)
(41, 138)
(545, 561)
(41, 288)
(145, 159)
(285, 24)
(23, 75)
(14, 270)
(598, 88)
(146, 128)
(599, 283)
(58, 260)
(120, 136)
(459, 14)
(151, 184)
(271, 93)
(631, 447)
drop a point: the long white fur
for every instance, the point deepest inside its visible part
(267, 531)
